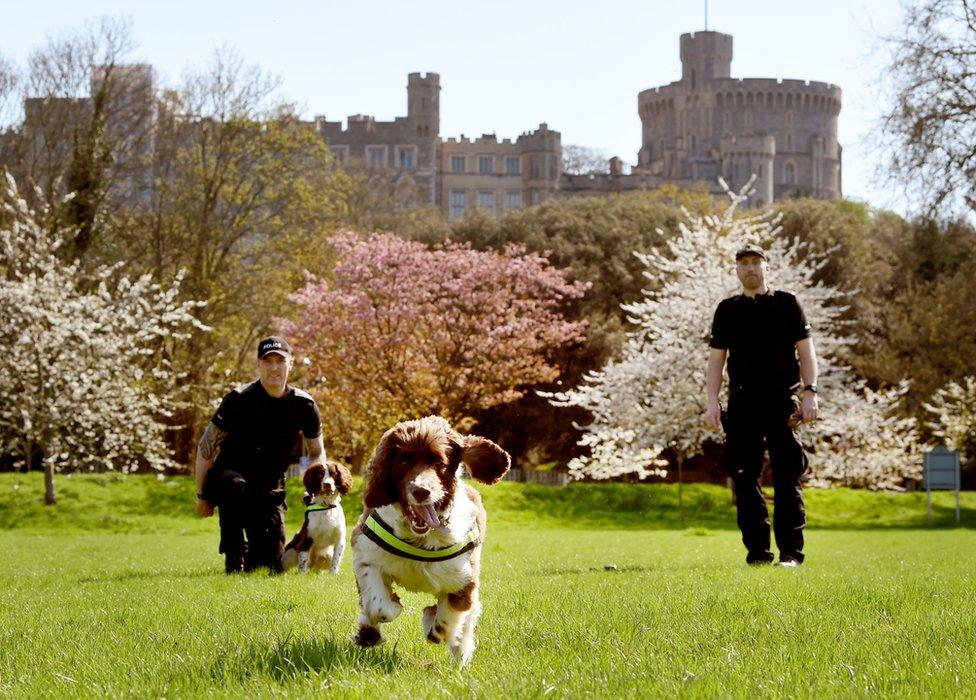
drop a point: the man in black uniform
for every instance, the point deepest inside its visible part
(763, 332)
(244, 454)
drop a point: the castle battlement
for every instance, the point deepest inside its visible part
(709, 123)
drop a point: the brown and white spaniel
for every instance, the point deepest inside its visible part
(422, 528)
(320, 542)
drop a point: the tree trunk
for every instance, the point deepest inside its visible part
(49, 498)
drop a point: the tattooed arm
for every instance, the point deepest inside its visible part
(206, 453)
(314, 449)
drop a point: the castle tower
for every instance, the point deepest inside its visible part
(704, 57)
(747, 156)
(423, 103)
(542, 154)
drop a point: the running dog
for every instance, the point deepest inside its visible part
(423, 529)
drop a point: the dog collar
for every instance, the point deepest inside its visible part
(377, 530)
(318, 506)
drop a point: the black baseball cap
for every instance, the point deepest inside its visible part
(750, 249)
(274, 343)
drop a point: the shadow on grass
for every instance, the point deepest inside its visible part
(145, 504)
(709, 508)
(618, 506)
(296, 658)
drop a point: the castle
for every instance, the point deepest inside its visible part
(709, 124)
(457, 174)
(705, 125)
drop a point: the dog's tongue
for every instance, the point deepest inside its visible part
(429, 516)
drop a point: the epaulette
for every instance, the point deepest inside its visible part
(301, 393)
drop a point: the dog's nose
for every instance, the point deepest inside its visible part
(327, 488)
(420, 494)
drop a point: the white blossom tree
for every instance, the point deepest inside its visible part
(651, 398)
(953, 409)
(84, 382)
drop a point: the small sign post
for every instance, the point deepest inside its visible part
(941, 469)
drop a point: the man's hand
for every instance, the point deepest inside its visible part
(713, 415)
(204, 508)
(811, 406)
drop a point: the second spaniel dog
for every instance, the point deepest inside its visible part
(320, 542)
(423, 529)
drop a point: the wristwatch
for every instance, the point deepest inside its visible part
(812, 387)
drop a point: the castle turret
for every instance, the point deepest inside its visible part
(744, 157)
(542, 153)
(704, 57)
(423, 103)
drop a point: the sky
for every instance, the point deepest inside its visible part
(505, 66)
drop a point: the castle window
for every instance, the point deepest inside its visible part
(789, 119)
(486, 200)
(375, 156)
(459, 203)
(694, 142)
(486, 165)
(457, 164)
(340, 153)
(406, 157)
(513, 166)
(513, 200)
(789, 142)
(534, 197)
(789, 173)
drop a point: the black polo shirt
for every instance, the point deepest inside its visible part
(264, 433)
(760, 334)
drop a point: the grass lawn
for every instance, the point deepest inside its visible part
(118, 591)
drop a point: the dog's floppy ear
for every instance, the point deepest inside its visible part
(313, 478)
(485, 460)
(380, 489)
(342, 477)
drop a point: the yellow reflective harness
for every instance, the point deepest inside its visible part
(383, 535)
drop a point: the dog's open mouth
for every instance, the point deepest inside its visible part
(423, 518)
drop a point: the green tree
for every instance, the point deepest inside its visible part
(245, 198)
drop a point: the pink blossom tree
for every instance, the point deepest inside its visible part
(397, 330)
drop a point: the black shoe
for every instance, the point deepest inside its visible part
(234, 564)
(764, 559)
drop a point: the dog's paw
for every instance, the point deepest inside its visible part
(367, 636)
(382, 609)
(463, 650)
(389, 609)
(434, 631)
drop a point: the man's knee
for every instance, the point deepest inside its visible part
(788, 458)
(231, 487)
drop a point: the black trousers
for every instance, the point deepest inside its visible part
(752, 425)
(244, 510)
